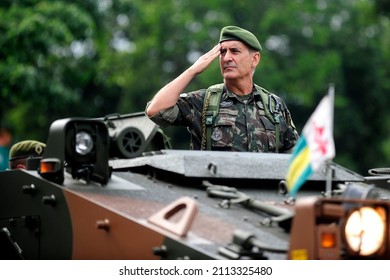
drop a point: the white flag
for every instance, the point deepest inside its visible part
(315, 145)
(318, 132)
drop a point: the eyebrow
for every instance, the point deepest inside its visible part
(230, 48)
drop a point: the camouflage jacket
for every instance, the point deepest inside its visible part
(241, 124)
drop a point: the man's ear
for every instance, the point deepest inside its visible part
(256, 59)
(20, 166)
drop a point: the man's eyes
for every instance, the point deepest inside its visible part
(223, 51)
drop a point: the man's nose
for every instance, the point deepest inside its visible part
(227, 56)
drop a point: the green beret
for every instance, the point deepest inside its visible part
(26, 148)
(229, 33)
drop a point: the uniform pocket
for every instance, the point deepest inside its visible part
(269, 128)
(222, 132)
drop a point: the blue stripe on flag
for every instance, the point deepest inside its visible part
(301, 144)
(300, 180)
(299, 168)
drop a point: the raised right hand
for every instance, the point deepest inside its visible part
(205, 60)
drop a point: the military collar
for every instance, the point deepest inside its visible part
(256, 93)
(229, 94)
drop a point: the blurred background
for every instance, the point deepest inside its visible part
(90, 58)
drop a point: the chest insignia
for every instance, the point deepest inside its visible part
(226, 103)
(217, 135)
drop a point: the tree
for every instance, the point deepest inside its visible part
(89, 58)
(47, 63)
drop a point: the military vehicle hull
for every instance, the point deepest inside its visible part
(164, 204)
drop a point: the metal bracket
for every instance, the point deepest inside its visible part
(246, 245)
(164, 218)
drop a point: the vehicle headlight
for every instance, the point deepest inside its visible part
(340, 228)
(78, 146)
(84, 143)
(365, 230)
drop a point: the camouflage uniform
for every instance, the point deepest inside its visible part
(241, 124)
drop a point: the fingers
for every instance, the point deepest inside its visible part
(206, 59)
(211, 54)
(215, 51)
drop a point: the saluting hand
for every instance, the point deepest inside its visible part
(168, 95)
(205, 60)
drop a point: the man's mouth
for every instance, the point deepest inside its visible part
(226, 67)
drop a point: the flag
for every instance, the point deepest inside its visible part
(315, 145)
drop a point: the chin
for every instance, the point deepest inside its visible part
(229, 76)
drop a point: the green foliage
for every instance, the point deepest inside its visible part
(89, 58)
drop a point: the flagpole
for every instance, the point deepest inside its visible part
(329, 168)
(329, 176)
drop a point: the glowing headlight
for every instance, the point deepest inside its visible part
(84, 143)
(365, 230)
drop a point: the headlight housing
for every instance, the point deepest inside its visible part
(81, 146)
(340, 228)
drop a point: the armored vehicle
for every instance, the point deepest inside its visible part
(113, 188)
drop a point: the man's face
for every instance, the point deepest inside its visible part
(236, 60)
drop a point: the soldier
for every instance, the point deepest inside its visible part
(24, 150)
(245, 117)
